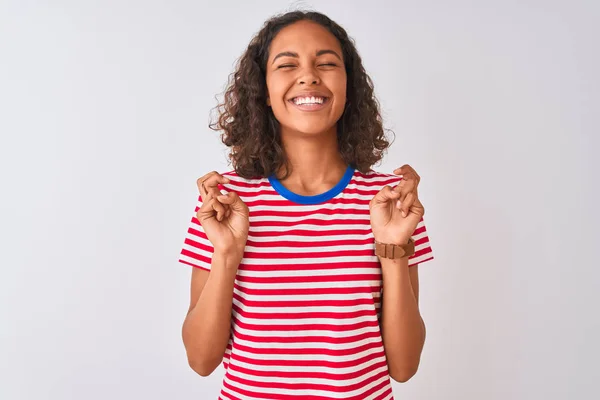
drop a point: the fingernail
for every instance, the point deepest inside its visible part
(403, 213)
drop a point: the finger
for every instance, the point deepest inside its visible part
(210, 209)
(407, 170)
(209, 184)
(414, 174)
(410, 175)
(399, 169)
(405, 187)
(219, 209)
(406, 175)
(410, 187)
(398, 189)
(417, 204)
(200, 182)
(232, 200)
(407, 204)
(386, 194)
(413, 183)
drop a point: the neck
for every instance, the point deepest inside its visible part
(316, 162)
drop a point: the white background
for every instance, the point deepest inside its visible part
(104, 109)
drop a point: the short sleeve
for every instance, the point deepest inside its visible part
(197, 250)
(423, 251)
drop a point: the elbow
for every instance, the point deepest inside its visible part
(201, 360)
(403, 375)
(202, 368)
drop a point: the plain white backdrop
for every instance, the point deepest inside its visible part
(104, 108)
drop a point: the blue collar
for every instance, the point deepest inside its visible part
(319, 198)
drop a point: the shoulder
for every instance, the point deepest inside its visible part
(242, 185)
(376, 179)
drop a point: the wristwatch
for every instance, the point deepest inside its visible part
(394, 251)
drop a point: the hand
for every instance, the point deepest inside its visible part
(224, 218)
(395, 213)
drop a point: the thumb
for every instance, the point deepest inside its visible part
(386, 194)
(233, 200)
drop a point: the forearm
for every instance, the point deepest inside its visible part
(403, 330)
(206, 329)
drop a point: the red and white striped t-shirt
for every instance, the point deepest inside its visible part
(306, 302)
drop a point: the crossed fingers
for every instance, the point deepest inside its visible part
(408, 188)
(208, 186)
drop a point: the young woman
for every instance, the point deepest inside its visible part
(292, 289)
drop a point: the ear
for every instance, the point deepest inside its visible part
(268, 101)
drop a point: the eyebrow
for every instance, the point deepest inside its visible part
(292, 54)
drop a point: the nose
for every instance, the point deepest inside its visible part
(315, 81)
(308, 75)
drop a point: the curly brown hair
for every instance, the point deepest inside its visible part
(251, 129)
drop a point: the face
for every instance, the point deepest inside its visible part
(306, 78)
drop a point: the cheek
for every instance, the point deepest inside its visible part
(340, 93)
(343, 84)
(337, 84)
(275, 88)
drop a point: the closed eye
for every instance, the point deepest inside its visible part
(291, 65)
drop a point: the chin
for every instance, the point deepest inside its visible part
(312, 130)
(310, 127)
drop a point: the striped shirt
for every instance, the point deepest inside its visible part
(307, 295)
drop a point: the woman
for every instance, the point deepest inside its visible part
(289, 275)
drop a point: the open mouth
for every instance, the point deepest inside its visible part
(309, 103)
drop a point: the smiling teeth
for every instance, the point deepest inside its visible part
(309, 100)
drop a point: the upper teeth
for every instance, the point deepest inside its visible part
(309, 100)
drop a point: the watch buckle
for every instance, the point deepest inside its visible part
(389, 250)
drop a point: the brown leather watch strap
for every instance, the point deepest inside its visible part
(394, 251)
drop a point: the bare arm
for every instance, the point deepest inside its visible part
(403, 329)
(206, 329)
